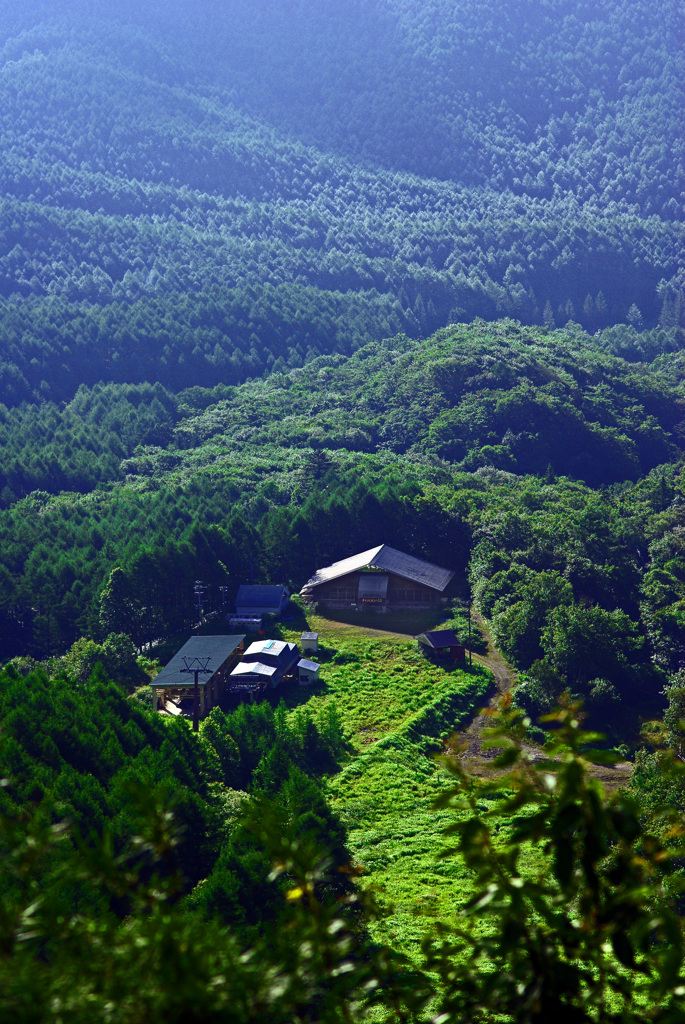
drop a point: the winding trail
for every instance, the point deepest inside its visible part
(467, 745)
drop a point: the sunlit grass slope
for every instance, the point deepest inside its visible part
(395, 706)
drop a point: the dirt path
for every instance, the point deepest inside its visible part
(468, 744)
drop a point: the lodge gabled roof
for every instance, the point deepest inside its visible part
(386, 559)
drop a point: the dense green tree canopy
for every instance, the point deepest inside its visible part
(240, 247)
(200, 198)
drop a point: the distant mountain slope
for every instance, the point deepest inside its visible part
(194, 197)
(489, 92)
(195, 475)
(516, 398)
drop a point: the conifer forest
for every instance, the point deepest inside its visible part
(280, 282)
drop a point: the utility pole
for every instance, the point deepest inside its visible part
(470, 662)
(199, 590)
(195, 666)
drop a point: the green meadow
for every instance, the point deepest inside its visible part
(395, 707)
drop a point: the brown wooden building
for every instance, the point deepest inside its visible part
(379, 579)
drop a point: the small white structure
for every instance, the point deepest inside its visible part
(254, 675)
(310, 642)
(249, 624)
(265, 663)
(307, 672)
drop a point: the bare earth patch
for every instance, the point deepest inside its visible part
(468, 745)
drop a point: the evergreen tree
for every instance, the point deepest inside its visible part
(548, 316)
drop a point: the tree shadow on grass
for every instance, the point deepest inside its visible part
(408, 622)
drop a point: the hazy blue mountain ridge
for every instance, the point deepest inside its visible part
(194, 163)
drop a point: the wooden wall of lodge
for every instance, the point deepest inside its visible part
(343, 592)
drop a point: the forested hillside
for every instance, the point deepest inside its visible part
(212, 225)
(281, 281)
(547, 469)
(199, 198)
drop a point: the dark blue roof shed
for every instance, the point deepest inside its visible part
(438, 639)
(263, 600)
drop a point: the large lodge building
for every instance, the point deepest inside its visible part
(379, 579)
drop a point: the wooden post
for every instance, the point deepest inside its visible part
(470, 662)
(196, 704)
(196, 665)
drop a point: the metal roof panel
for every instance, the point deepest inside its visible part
(352, 564)
(254, 668)
(216, 648)
(389, 559)
(272, 647)
(254, 596)
(308, 666)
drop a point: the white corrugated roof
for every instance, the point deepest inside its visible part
(274, 647)
(308, 666)
(254, 668)
(352, 564)
(388, 559)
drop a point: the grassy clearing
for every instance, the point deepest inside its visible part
(379, 681)
(395, 707)
(385, 798)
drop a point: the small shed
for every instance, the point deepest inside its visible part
(310, 642)
(254, 601)
(442, 645)
(253, 676)
(279, 653)
(307, 672)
